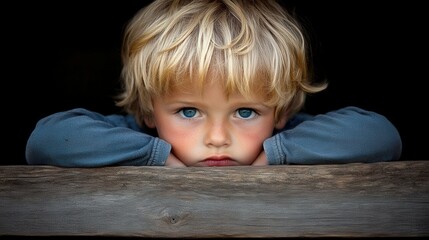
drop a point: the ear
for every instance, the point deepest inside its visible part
(281, 123)
(149, 122)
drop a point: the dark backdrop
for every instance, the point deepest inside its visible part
(66, 54)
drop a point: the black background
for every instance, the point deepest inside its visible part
(65, 54)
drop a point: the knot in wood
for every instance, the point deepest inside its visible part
(174, 216)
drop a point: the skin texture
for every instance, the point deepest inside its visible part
(211, 129)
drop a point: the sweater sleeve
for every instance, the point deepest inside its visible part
(347, 135)
(81, 138)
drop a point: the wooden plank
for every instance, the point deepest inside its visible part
(350, 200)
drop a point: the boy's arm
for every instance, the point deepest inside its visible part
(347, 135)
(81, 138)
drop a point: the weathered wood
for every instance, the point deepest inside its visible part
(350, 200)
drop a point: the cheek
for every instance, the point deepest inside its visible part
(180, 137)
(184, 145)
(174, 134)
(252, 139)
(260, 131)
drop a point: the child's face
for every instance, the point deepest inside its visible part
(210, 129)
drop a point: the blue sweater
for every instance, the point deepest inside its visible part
(82, 138)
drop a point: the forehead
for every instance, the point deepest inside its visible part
(212, 88)
(236, 84)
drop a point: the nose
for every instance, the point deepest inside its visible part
(217, 135)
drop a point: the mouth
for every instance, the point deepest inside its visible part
(218, 162)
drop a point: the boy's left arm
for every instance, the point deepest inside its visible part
(347, 135)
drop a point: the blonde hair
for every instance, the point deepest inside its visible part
(253, 46)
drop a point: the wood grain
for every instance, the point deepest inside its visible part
(349, 200)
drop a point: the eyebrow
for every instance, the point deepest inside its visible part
(190, 100)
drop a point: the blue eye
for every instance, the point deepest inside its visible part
(245, 113)
(188, 112)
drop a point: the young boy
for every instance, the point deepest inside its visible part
(213, 83)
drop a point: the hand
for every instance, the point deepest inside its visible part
(261, 160)
(173, 161)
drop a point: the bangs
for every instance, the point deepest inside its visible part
(249, 47)
(248, 76)
(216, 46)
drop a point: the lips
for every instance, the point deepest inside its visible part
(219, 161)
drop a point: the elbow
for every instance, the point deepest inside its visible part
(42, 145)
(378, 138)
(393, 144)
(34, 151)
(388, 140)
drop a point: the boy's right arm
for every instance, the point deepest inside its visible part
(82, 138)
